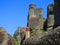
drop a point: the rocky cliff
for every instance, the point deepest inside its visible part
(6, 39)
(51, 37)
(19, 34)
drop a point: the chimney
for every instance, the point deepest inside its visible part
(27, 30)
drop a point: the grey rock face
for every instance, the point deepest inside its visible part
(2, 29)
(51, 37)
(5, 38)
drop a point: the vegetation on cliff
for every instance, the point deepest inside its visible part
(16, 42)
(35, 32)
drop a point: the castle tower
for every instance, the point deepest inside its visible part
(32, 10)
(50, 17)
(56, 13)
(34, 17)
(27, 33)
(39, 13)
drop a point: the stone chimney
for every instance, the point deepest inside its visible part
(27, 32)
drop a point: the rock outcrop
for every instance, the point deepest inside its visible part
(5, 38)
(19, 34)
(51, 37)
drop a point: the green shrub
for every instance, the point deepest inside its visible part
(16, 42)
(42, 30)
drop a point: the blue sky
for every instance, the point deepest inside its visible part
(13, 13)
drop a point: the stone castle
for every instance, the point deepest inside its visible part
(52, 23)
(37, 22)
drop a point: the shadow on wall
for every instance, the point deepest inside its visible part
(45, 25)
